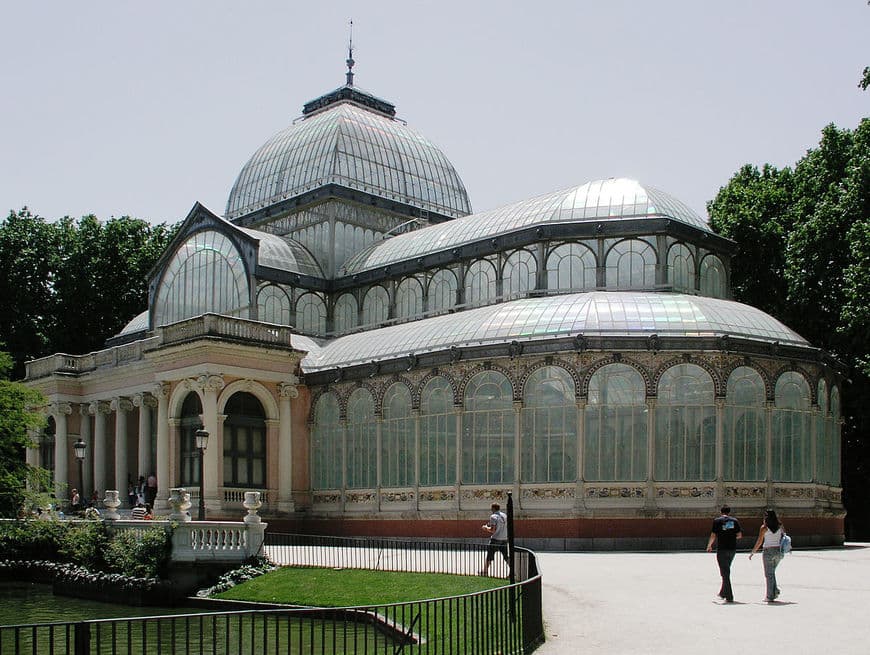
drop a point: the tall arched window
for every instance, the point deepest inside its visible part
(437, 434)
(188, 455)
(549, 436)
(344, 315)
(442, 291)
(571, 267)
(745, 440)
(488, 430)
(273, 305)
(205, 274)
(823, 447)
(631, 264)
(327, 438)
(792, 423)
(615, 440)
(685, 425)
(519, 274)
(46, 446)
(681, 268)
(376, 306)
(409, 298)
(480, 283)
(362, 453)
(834, 440)
(713, 280)
(397, 438)
(311, 314)
(244, 442)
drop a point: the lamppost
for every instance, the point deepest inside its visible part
(201, 437)
(79, 448)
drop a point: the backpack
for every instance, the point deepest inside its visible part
(785, 543)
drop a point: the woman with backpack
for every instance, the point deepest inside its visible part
(770, 540)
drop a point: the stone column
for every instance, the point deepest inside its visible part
(31, 454)
(99, 410)
(211, 385)
(87, 464)
(144, 402)
(161, 391)
(61, 449)
(121, 406)
(286, 392)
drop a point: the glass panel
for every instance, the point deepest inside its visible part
(191, 421)
(549, 436)
(409, 299)
(631, 264)
(713, 279)
(615, 442)
(442, 291)
(488, 430)
(480, 282)
(311, 314)
(345, 313)
(792, 425)
(273, 305)
(362, 451)
(519, 274)
(745, 438)
(397, 438)
(571, 267)
(685, 439)
(327, 442)
(244, 441)
(681, 268)
(376, 306)
(437, 434)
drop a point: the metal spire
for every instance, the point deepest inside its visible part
(350, 62)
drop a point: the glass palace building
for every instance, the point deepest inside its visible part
(377, 359)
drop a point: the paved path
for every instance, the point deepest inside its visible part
(628, 603)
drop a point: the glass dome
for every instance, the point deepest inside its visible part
(352, 146)
(601, 200)
(600, 313)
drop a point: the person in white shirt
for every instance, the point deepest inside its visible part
(498, 541)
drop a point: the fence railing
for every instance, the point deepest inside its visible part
(507, 619)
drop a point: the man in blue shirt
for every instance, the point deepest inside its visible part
(726, 531)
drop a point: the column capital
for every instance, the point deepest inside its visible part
(121, 404)
(85, 409)
(144, 399)
(289, 389)
(99, 407)
(60, 408)
(161, 389)
(209, 382)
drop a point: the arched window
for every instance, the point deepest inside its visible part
(188, 455)
(437, 434)
(311, 314)
(834, 439)
(519, 274)
(442, 291)
(244, 442)
(46, 446)
(409, 298)
(685, 425)
(681, 268)
(273, 305)
(480, 283)
(615, 440)
(571, 267)
(376, 306)
(488, 430)
(792, 423)
(326, 444)
(823, 447)
(549, 436)
(631, 264)
(713, 279)
(397, 438)
(745, 439)
(205, 274)
(344, 316)
(362, 453)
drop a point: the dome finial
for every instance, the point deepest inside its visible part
(350, 62)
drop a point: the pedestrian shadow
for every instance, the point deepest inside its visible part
(777, 603)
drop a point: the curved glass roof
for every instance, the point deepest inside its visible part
(599, 313)
(355, 147)
(601, 200)
(283, 253)
(136, 324)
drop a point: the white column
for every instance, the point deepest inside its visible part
(144, 402)
(121, 406)
(99, 410)
(87, 464)
(286, 392)
(61, 449)
(161, 391)
(210, 385)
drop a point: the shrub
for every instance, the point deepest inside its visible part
(140, 554)
(84, 544)
(35, 539)
(252, 568)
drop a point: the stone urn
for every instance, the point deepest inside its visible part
(179, 500)
(111, 503)
(252, 504)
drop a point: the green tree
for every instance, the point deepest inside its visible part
(17, 418)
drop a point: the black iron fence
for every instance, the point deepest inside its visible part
(507, 619)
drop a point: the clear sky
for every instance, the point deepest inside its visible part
(142, 108)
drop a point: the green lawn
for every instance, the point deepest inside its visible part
(353, 587)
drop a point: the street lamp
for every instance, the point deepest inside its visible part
(79, 448)
(201, 437)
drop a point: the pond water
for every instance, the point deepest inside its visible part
(28, 602)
